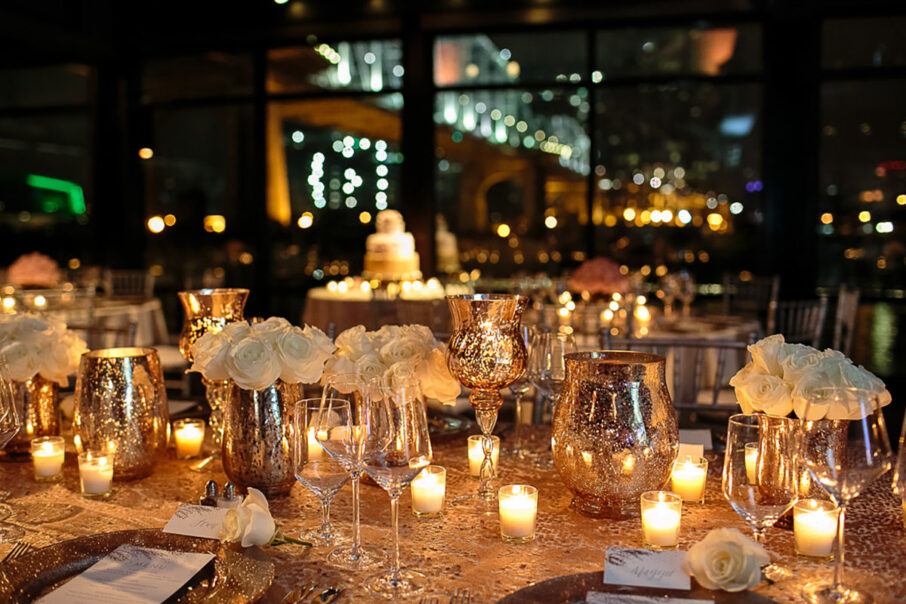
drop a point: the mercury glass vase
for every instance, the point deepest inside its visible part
(257, 437)
(614, 433)
(486, 353)
(121, 404)
(38, 404)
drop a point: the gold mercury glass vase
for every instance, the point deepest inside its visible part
(614, 433)
(38, 404)
(486, 353)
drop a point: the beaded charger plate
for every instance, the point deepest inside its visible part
(573, 589)
(233, 577)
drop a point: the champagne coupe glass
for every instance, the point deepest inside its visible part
(845, 448)
(10, 423)
(344, 421)
(313, 467)
(486, 353)
(520, 388)
(403, 424)
(766, 492)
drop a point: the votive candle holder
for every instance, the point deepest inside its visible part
(428, 492)
(189, 437)
(96, 474)
(661, 515)
(518, 508)
(815, 528)
(47, 454)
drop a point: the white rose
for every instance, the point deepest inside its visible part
(726, 559)
(423, 334)
(354, 343)
(250, 522)
(271, 329)
(369, 367)
(210, 353)
(839, 374)
(436, 380)
(62, 357)
(21, 360)
(400, 374)
(857, 376)
(302, 355)
(338, 365)
(798, 360)
(236, 330)
(403, 348)
(253, 364)
(767, 354)
(763, 392)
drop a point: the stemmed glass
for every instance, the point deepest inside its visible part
(766, 492)
(686, 292)
(547, 366)
(845, 448)
(403, 424)
(9, 426)
(344, 421)
(520, 388)
(669, 290)
(313, 467)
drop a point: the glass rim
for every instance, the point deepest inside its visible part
(830, 389)
(523, 489)
(487, 297)
(210, 291)
(308, 401)
(737, 419)
(655, 497)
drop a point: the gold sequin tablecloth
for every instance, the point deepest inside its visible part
(462, 549)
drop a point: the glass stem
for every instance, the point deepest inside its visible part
(356, 537)
(325, 529)
(395, 515)
(486, 420)
(838, 567)
(760, 535)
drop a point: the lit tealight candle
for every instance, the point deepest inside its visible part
(688, 479)
(189, 434)
(48, 453)
(315, 449)
(661, 513)
(95, 474)
(428, 490)
(476, 454)
(815, 527)
(518, 507)
(751, 461)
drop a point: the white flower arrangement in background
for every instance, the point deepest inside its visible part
(32, 345)
(395, 353)
(781, 377)
(255, 356)
(726, 559)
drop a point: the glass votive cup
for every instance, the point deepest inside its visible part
(688, 479)
(815, 528)
(189, 437)
(751, 461)
(476, 454)
(96, 474)
(47, 454)
(518, 508)
(428, 490)
(661, 515)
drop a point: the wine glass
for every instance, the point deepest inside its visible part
(403, 424)
(344, 421)
(313, 467)
(547, 365)
(668, 292)
(10, 423)
(845, 448)
(686, 292)
(520, 388)
(763, 488)
(899, 470)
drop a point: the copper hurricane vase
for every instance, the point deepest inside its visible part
(486, 353)
(121, 403)
(257, 437)
(38, 404)
(614, 433)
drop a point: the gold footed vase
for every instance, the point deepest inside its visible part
(257, 437)
(486, 353)
(38, 404)
(614, 433)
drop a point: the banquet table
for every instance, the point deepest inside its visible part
(461, 549)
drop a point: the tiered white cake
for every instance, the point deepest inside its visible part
(390, 253)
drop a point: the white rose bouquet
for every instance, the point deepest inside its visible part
(250, 523)
(256, 356)
(31, 345)
(726, 559)
(395, 353)
(781, 377)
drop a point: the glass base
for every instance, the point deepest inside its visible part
(474, 503)
(52, 478)
(211, 463)
(97, 496)
(824, 593)
(315, 536)
(775, 573)
(365, 557)
(526, 539)
(10, 532)
(405, 583)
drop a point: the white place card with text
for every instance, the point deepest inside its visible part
(646, 568)
(196, 521)
(131, 575)
(696, 452)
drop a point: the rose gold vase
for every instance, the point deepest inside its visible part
(614, 433)
(486, 353)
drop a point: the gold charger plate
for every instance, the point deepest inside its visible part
(234, 576)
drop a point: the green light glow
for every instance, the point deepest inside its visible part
(71, 189)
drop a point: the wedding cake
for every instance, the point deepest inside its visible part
(390, 253)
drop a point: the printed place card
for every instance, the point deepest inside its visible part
(696, 452)
(597, 597)
(646, 568)
(697, 437)
(196, 521)
(131, 575)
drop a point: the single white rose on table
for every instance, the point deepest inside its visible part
(209, 353)
(253, 364)
(302, 354)
(726, 559)
(250, 523)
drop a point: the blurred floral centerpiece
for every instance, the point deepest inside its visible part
(396, 352)
(34, 270)
(782, 376)
(598, 275)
